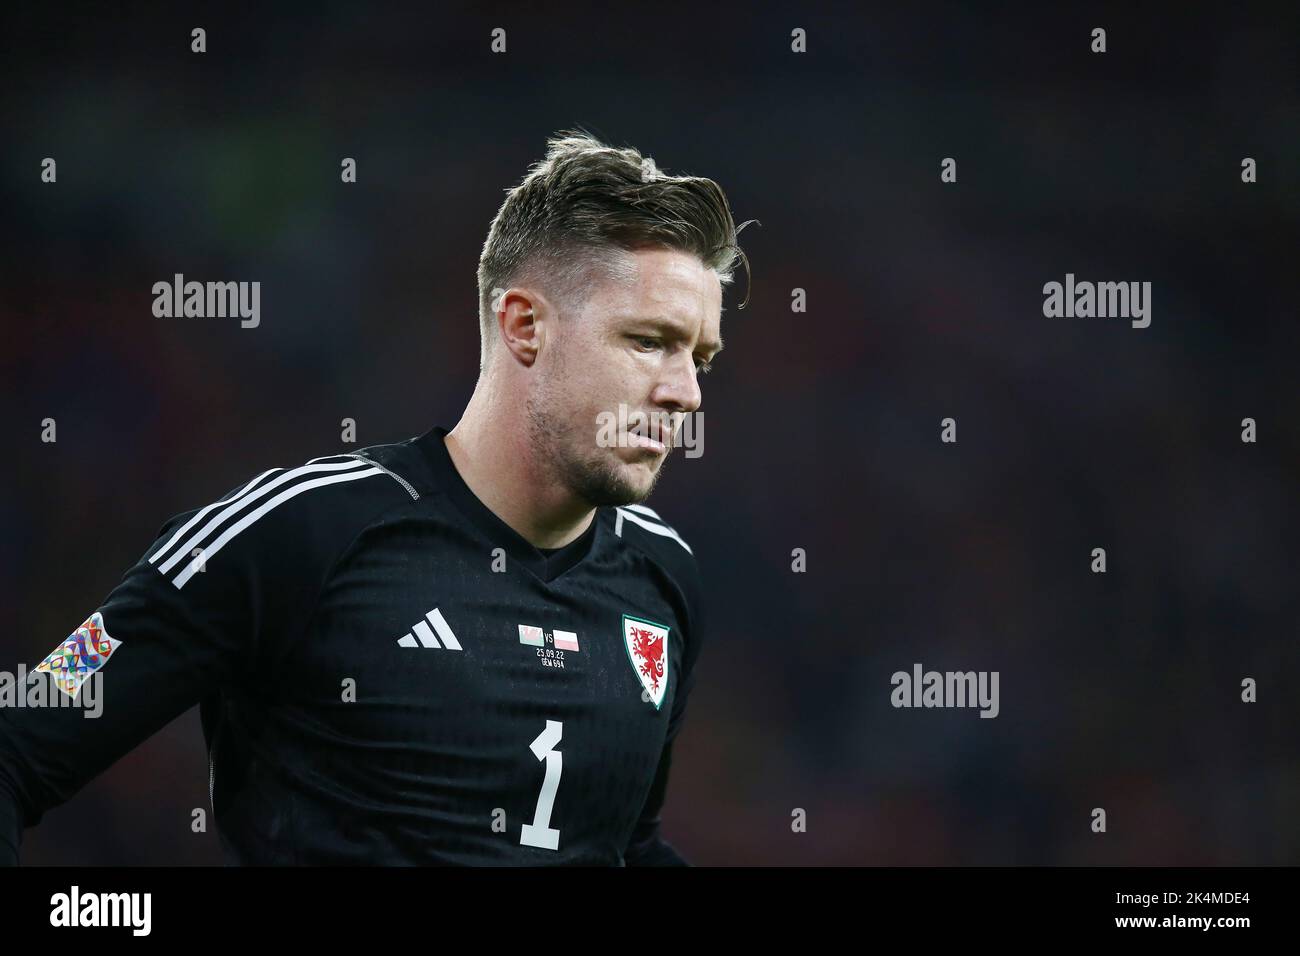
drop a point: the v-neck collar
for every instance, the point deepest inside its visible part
(545, 565)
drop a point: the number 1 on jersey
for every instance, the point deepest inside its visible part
(539, 833)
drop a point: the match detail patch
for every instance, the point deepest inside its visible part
(551, 644)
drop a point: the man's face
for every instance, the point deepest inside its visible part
(636, 344)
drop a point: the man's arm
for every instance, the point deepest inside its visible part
(222, 588)
(151, 650)
(10, 823)
(647, 846)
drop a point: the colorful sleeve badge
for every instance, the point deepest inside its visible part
(84, 652)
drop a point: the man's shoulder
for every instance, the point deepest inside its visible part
(644, 528)
(282, 513)
(405, 462)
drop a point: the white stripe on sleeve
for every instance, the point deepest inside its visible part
(186, 549)
(248, 519)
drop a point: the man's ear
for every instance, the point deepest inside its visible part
(520, 323)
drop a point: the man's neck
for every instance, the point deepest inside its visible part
(505, 473)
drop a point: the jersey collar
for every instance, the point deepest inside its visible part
(544, 564)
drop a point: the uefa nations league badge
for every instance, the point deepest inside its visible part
(84, 652)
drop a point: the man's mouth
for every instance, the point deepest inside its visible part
(652, 435)
(644, 441)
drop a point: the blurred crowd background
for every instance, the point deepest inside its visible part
(1119, 690)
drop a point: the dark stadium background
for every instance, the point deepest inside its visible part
(1119, 690)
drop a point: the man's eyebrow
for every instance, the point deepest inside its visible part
(677, 328)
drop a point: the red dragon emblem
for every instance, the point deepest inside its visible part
(649, 646)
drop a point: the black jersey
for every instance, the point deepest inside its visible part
(388, 673)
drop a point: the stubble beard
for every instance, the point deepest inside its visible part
(570, 453)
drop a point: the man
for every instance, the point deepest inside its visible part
(470, 647)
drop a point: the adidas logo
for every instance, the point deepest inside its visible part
(425, 634)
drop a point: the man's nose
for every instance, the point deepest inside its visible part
(679, 388)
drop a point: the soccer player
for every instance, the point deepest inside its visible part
(471, 647)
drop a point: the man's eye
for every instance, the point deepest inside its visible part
(648, 343)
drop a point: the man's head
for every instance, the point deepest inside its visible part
(600, 298)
